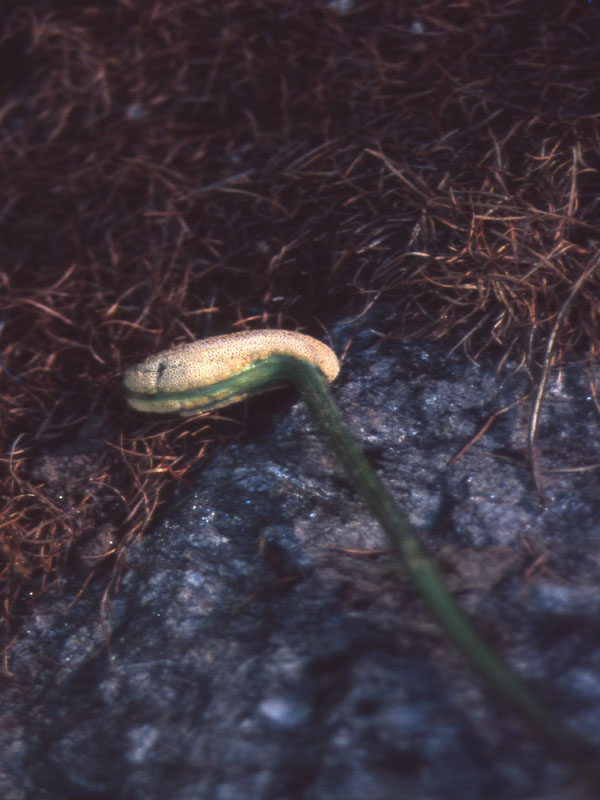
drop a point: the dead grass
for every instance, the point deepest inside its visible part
(172, 170)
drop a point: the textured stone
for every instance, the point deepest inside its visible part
(251, 652)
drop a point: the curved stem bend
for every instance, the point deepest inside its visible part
(277, 370)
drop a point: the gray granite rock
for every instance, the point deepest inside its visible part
(257, 649)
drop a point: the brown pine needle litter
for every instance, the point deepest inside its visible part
(176, 169)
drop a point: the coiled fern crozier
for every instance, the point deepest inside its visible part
(221, 370)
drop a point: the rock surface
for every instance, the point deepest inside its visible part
(257, 649)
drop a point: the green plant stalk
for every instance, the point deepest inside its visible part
(427, 577)
(278, 370)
